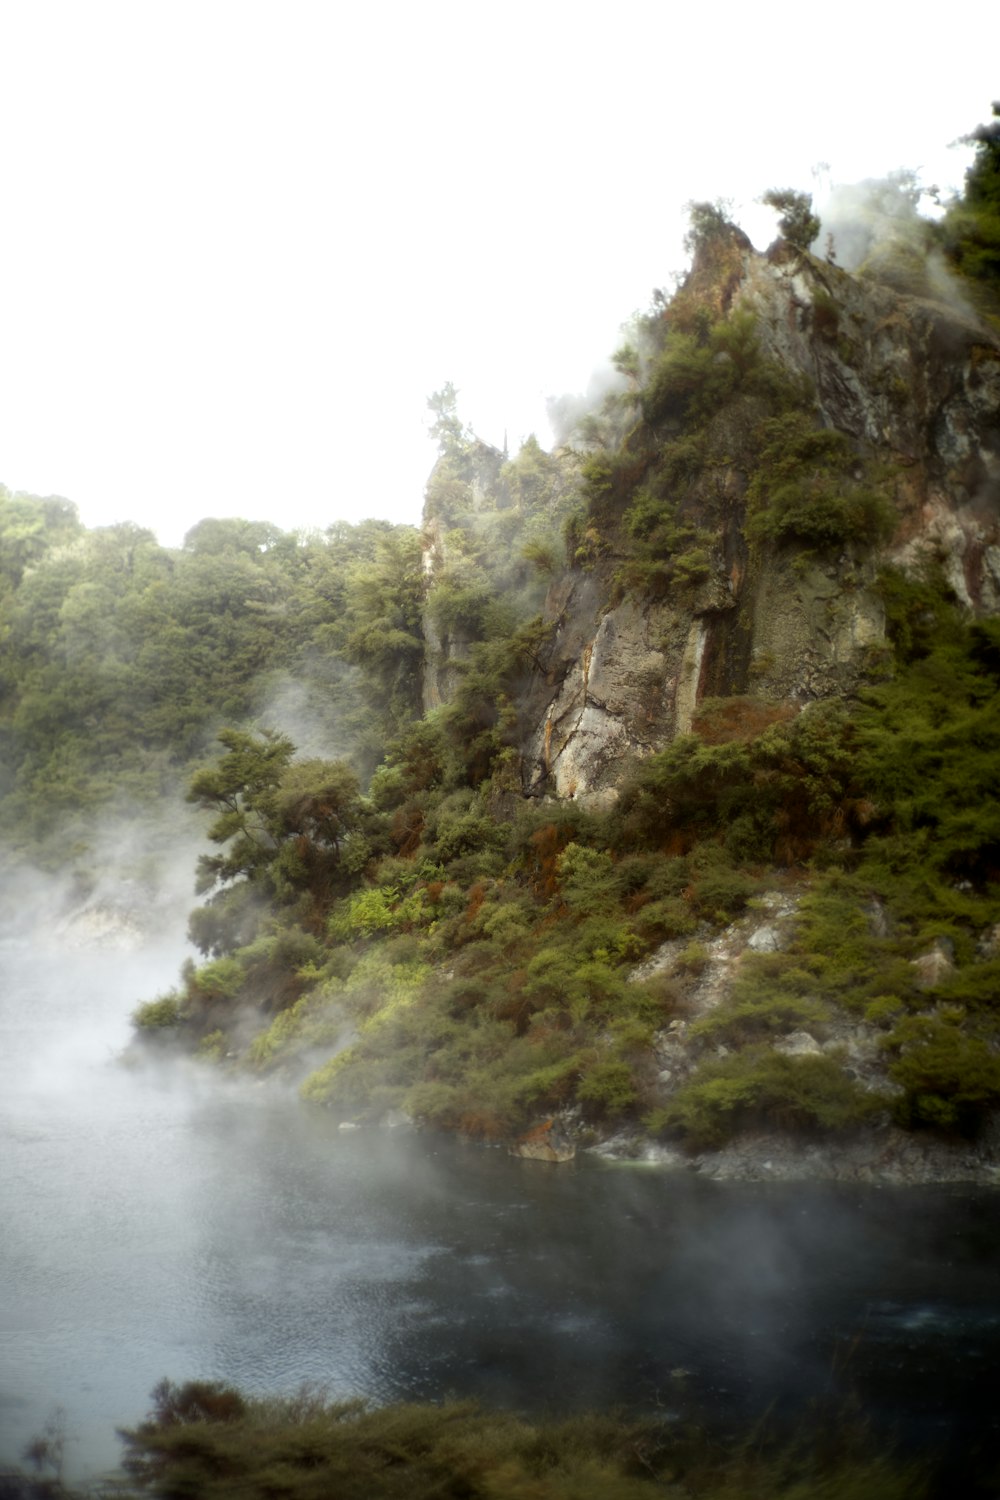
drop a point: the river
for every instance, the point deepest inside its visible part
(165, 1222)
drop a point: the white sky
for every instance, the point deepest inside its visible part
(244, 240)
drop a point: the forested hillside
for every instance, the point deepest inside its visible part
(650, 790)
(120, 659)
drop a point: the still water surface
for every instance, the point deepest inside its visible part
(163, 1223)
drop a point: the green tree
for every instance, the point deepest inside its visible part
(706, 222)
(214, 535)
(381, 628)
(798, 224)
(446, 428)
(240, 788)
(281, 827)
(29, 528)
(972, 225)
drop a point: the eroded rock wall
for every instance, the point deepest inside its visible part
(917, 378)
(915, 381)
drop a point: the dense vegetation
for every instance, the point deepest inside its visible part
(211, 1441)
(119, 659)
(972, 224)
(469, 957)
(479, 965)
(389, 922)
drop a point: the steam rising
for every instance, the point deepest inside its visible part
(302, 709)
(567, 412)
(881, 226)
(167, 1221)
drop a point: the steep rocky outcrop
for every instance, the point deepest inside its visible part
(913, 381)
(797, 499)
(915, 377)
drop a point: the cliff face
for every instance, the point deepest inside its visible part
(916, 378)
(912, 382)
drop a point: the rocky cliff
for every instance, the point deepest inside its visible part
(909, 379)
(695, 849)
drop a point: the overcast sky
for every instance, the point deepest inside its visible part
(243, 241)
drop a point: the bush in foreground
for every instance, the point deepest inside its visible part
(213, 1442)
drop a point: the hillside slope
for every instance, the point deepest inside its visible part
(697, 838)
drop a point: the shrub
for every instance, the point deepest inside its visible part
(221, 979)
(798, 224)
(761, 1087)
(694, 959)
(824, 511)
(608, 1088)
(325, 1082)
(159, 1014)
(212, 1047)
(950, 1079)
(553, 1085)
(457, 606)
(789, 786)
(659, 920)
(753, 1013)
(211, 1442)
(587, 879)
(690, 379)
(808, 487)
(375, 909)
(721, 892)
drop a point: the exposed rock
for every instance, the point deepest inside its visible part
(933, 967)
(859, 1051)
(639, 1151)
(765, 940)
(918, 377)
(878, 918)
(798, 1044)
(766, 930)
(543, 1142)
(614, 700)
(103, 925)
(674, 1059)
(882, 1154)
(811, 633)
(989, 944)
(914, 379)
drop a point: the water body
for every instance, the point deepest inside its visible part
(164, 1223)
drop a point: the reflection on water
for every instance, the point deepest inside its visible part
(164, 1224)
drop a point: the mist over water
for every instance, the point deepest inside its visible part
(163, 1221)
